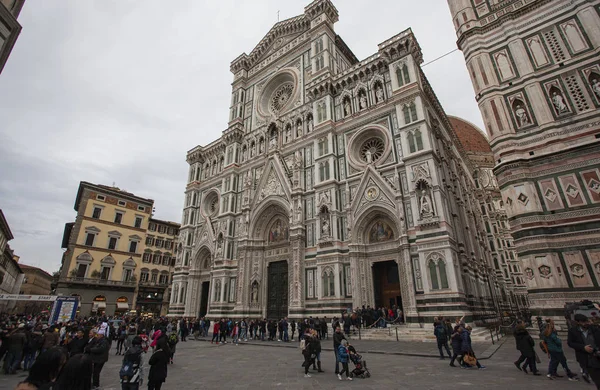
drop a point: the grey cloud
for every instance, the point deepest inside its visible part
(118, 91)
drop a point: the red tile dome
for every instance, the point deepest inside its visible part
(470, 136)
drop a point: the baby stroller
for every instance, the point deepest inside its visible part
(360, 365)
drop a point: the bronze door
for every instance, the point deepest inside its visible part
(277, 303)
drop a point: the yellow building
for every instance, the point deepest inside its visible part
(104, 248)
(158, 261)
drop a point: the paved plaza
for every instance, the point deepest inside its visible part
(201, 365)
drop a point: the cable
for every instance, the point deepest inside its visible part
(440, 57)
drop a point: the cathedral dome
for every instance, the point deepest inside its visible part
(471, 137)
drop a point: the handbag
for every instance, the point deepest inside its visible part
(470, 359)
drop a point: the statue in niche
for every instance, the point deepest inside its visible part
(261, 146)
(347, 108)
(273, 142)
(425, 204)
(299, 211)
(379, 93)
(363, 101)
(288, 134)
(368, 157)
(325, 230)
(253, 150)
(299, 130)
(254, 295)
(522, 115)
(595, 84)
(245, 154)
(324, 197)
(310, 124)
(559, 102)
(297, 160)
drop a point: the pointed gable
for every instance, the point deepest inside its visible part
(372, 189)
(273, 182)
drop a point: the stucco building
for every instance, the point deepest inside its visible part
(158, 262)
(536, 75)
(9, 27)
(338, 183)
(36, 281)
(104, 248)
(11, 275)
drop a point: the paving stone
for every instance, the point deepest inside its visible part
(201, 365)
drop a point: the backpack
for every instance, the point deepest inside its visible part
(127, 370)
(173, 339)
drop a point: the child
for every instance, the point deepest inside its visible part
(343, 358)
(158, 369)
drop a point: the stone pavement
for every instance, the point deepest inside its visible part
(201, 365)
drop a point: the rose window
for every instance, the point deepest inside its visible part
(211, 204)
(372, 150)
(281, 96)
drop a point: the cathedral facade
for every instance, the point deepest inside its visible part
(536, 75)
(339, 183)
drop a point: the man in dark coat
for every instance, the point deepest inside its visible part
(525, 345)
(338, 336)
(442, 339)
(158, 369)
(98, 349)
(585, 340)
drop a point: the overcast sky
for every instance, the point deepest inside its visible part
(119, 90)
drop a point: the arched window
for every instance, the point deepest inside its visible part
(405, 74)
(328, 282)
(419, 140)
(411, 142)
(217, 296)
(406, 112)
(413, 111)
(192, 217)
(433, 276)
(437, 274)
(442, 273)
(402, 75)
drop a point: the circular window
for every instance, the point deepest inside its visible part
(278, 93)
(280, 97)
(370, 145)
(372, 150)
(211, 204)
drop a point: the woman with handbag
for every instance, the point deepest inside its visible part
(469, 357)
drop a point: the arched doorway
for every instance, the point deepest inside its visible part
(277, 271)
(202, 264)
(386, 280)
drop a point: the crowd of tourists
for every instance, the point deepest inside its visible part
(71, 356)
(583, 336)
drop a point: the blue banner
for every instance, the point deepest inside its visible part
(64, 310)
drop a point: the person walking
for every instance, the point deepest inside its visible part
(17, 341)
(555, 350)
(338, 336)
(132, 368)
(442, 339)
(293, 327)
(98, 349)
(525, 345)
(215, 333)
(585, 340)
(308, 351)
(158, 369)
(342, 353)
(317, 351)
(121, 337)
(456, 339)
(466, 347)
